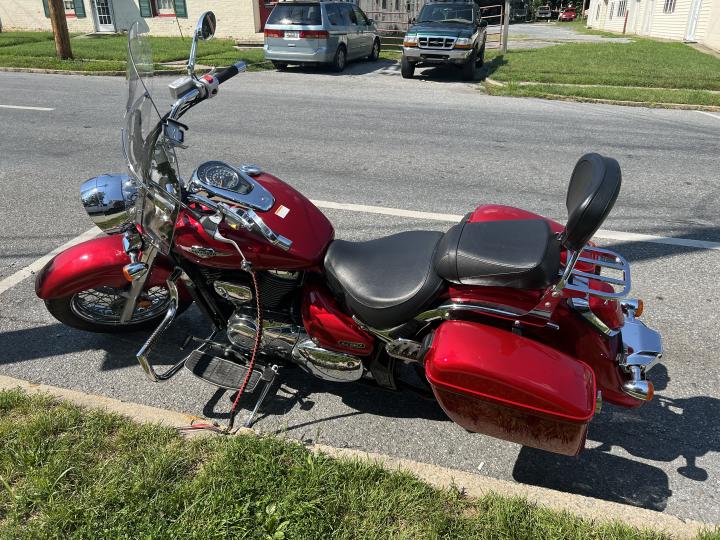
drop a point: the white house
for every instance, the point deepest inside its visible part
(241, 19)
(696, 21)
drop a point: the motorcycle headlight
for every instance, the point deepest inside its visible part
(109, 200)
(463, 43)
(410, 40)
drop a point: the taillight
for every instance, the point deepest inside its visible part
(275, 33)
(314, 34)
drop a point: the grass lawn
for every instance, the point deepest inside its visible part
(70, 473)
(109, 53)
(641, 63)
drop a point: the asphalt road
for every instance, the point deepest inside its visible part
(433, 145)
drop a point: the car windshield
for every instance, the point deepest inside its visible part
(294, 13)
(460, 13)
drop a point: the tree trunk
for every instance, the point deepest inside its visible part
(60, 29)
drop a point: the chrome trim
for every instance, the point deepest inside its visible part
(258, 198)
(233, 291)
(577, 280)
(637, 386)
(279, 337)
(204, 252)
(325, 364)
(582, 306)
(436, 42)
(135, 270)
(109, 200)
(250, 169)
(147, 258)
(142, 354)
(643, 345)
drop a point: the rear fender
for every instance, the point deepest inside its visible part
(95, 263)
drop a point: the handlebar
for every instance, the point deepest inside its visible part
(247, 219)
(230, 72)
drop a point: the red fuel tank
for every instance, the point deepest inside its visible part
(293, 216)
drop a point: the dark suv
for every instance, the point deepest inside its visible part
(450, 32)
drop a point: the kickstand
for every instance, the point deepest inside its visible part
(268, 376)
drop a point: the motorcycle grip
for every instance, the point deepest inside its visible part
(230, 72)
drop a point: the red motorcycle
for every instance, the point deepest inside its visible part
(517, 325)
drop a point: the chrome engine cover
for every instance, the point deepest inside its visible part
(291, 343)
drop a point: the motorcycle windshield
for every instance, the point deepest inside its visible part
(150, 159)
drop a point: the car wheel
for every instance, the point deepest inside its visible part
(469, 68)
(375, 53)
(338, 63)
(480, 59)
(280, 66)
(407, 68)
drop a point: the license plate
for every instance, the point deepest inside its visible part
(292, 35)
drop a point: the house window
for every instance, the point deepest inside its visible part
(163, 8)
(73, 8)
(669, 6)
(622, 8)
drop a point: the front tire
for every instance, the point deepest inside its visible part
(407, 69)
(469, 68)
(98, 310)
(340, 60)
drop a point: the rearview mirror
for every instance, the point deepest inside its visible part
(204, 30)
(206, 26)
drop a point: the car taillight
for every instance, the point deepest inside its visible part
(275, 33)
(314, 34)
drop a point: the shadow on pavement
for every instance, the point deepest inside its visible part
(661, 431)
(356, 67)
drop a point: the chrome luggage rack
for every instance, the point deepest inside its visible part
(579, 281)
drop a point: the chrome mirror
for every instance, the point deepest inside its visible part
(204, 30)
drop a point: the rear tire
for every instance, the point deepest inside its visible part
(407, 68)
(75, 311)
(340, 60)
(375, 53)
(280, 66)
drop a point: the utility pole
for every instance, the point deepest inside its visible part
(505, 26)
(60, 29)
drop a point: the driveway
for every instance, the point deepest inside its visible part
(546, 34)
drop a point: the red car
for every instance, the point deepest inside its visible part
(568, 15)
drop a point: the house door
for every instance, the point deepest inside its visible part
(647, 22)
(693, 20)
(104, 16)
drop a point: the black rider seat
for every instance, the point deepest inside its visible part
(386, 281)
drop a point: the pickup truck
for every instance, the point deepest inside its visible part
(449, 33)
(543, 12)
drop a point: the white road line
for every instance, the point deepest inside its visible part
(715, 116)
(24, 273)
(12, 280)
(25, 108)
(453, 218)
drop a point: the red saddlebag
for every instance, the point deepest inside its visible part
(507, 386)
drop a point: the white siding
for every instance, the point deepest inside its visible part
(711, 37)
(670, 25)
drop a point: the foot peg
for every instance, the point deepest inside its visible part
(221, 372)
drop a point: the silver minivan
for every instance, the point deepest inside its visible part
(319, 32)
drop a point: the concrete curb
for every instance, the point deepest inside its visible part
(473, 484)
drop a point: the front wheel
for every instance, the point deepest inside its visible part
(375, 53)
(407, 69)
(469, 68)
(99, 309)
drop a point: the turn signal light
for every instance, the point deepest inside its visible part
(275, 33)
(463, 46)
(134, 271)
(640, 307)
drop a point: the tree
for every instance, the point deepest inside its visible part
(60, 29)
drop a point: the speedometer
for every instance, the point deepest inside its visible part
(219, 175)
